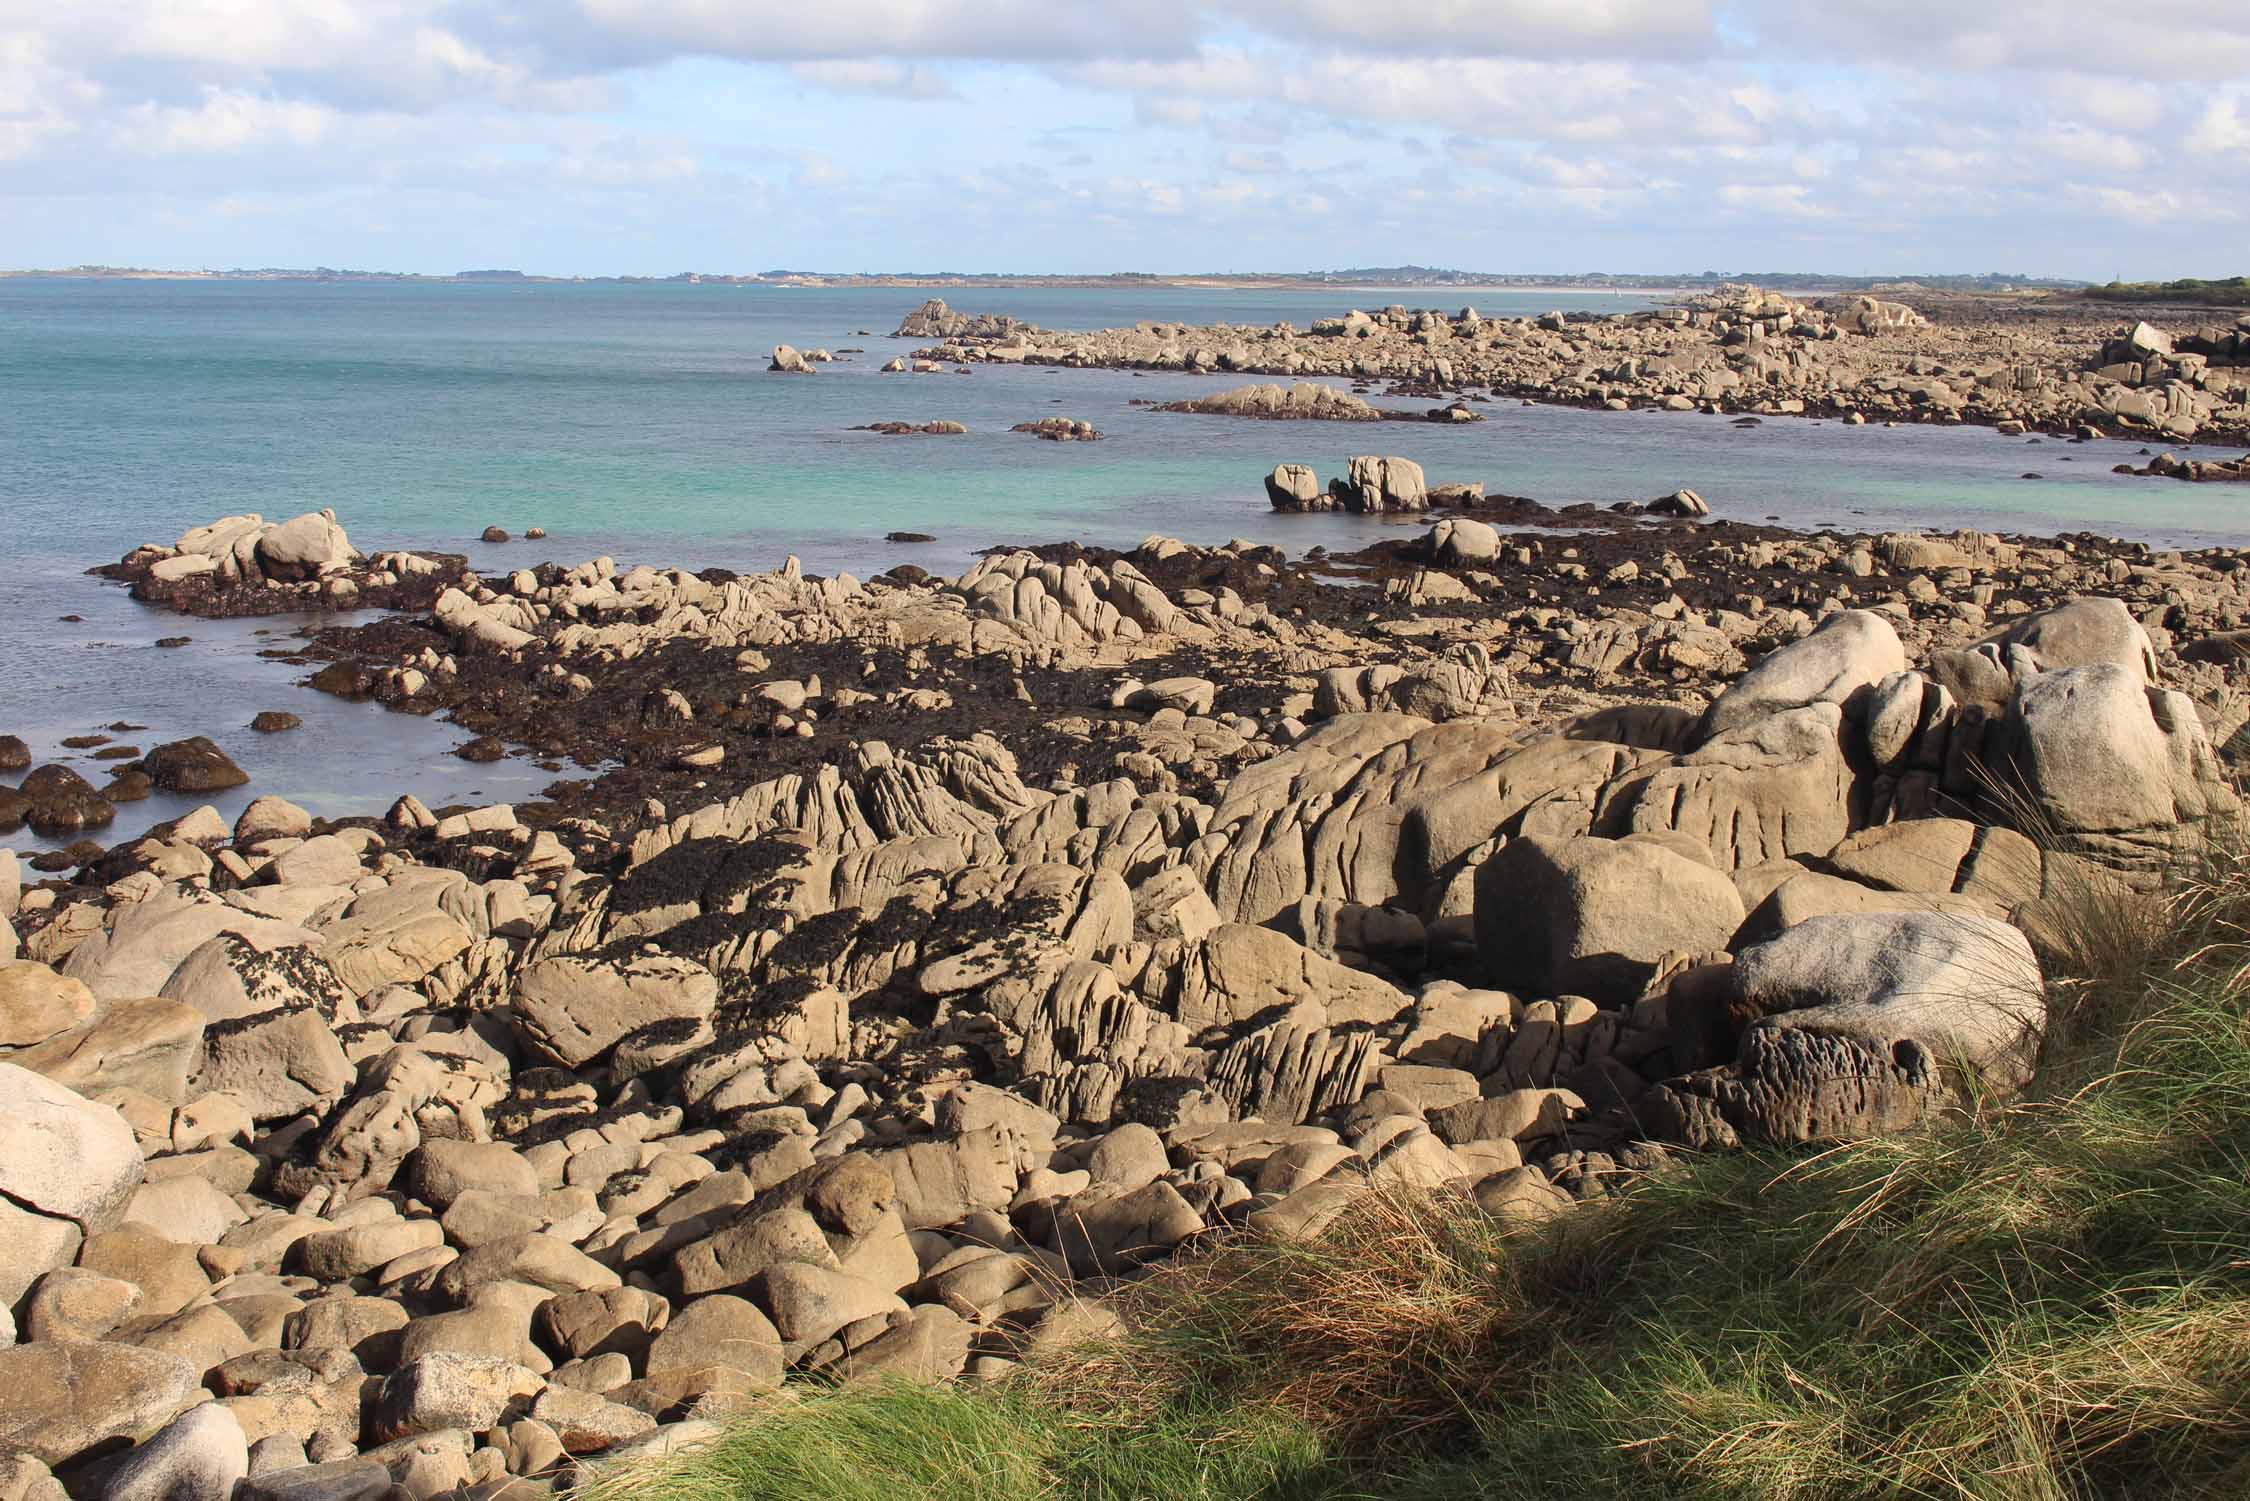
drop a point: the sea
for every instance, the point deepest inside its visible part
(640, 423)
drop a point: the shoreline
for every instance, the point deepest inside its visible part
(358, 645)
(619, 759)
(1120, 281)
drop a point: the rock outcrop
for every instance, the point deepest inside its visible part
(443, 1150)
(1304, 401)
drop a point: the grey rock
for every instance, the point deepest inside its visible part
(1966, 989)
(1845, 657)
(198, 1456)
(437, 1392)
(59, 1401)
(339, 1480)
(1593, 917)
(68, 1167)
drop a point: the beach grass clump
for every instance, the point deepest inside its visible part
(2043, 1300)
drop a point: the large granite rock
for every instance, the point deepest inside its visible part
(2109, 763)
(198, 1456)
(68, 1167)
(1966, 989)
(1377, 483)
(305, 547)
(1594, 917)
(574, 1010)
(1844, 657)
(60, 1402)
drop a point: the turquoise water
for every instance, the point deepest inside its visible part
(640, 422)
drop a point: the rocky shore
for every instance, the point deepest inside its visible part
(2044, 366)
(246, 565)
(924, 957)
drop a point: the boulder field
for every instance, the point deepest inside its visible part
(451, 1149)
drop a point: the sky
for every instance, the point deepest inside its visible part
(2077, 138)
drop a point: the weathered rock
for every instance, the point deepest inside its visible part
(36, 1004)
(441, 1171)
(271, 818)
(338, 1480)
(148, 941)
(1460, 540)
(188, 1208)
(1384, 484)
(574, 1010)
(335, 1255)
(23, 1478)
(1966, 989)
(68, 1167)
(1306, 400)
(808, 1303)
(169, 1275)
(540, 1260)
(2108, 762)
(60, 1402)
(1104, 1230)
(305, 547)
(1595, 917)
(2089, 632)
(1239, 973)
(722, 1332)
(1296, 487)
(584, 1422)
(618, 1320)
(230, 978)
(437, 1392)
(78, 1306)
(145, 1045)
(1839, 663)
(56, 802)
(1769, 789)
(198, 1456)
(393, 937)
(1791, 1086)
(277, 1064)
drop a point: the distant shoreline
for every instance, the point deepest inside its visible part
(1094, 283)
(1375, 283)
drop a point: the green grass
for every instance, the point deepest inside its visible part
(2047, 1300)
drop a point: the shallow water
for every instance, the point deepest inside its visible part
(639, 422)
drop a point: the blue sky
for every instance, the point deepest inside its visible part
(652, 136)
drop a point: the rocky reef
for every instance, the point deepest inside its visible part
(1738, 349)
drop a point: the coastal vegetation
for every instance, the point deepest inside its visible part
(2231, 291)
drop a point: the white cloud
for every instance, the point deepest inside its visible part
(875, 76)
(2221, 129)
(2166, 40)
(767, 30)
(1508, 28)
(226, 120)
(1787, 200)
